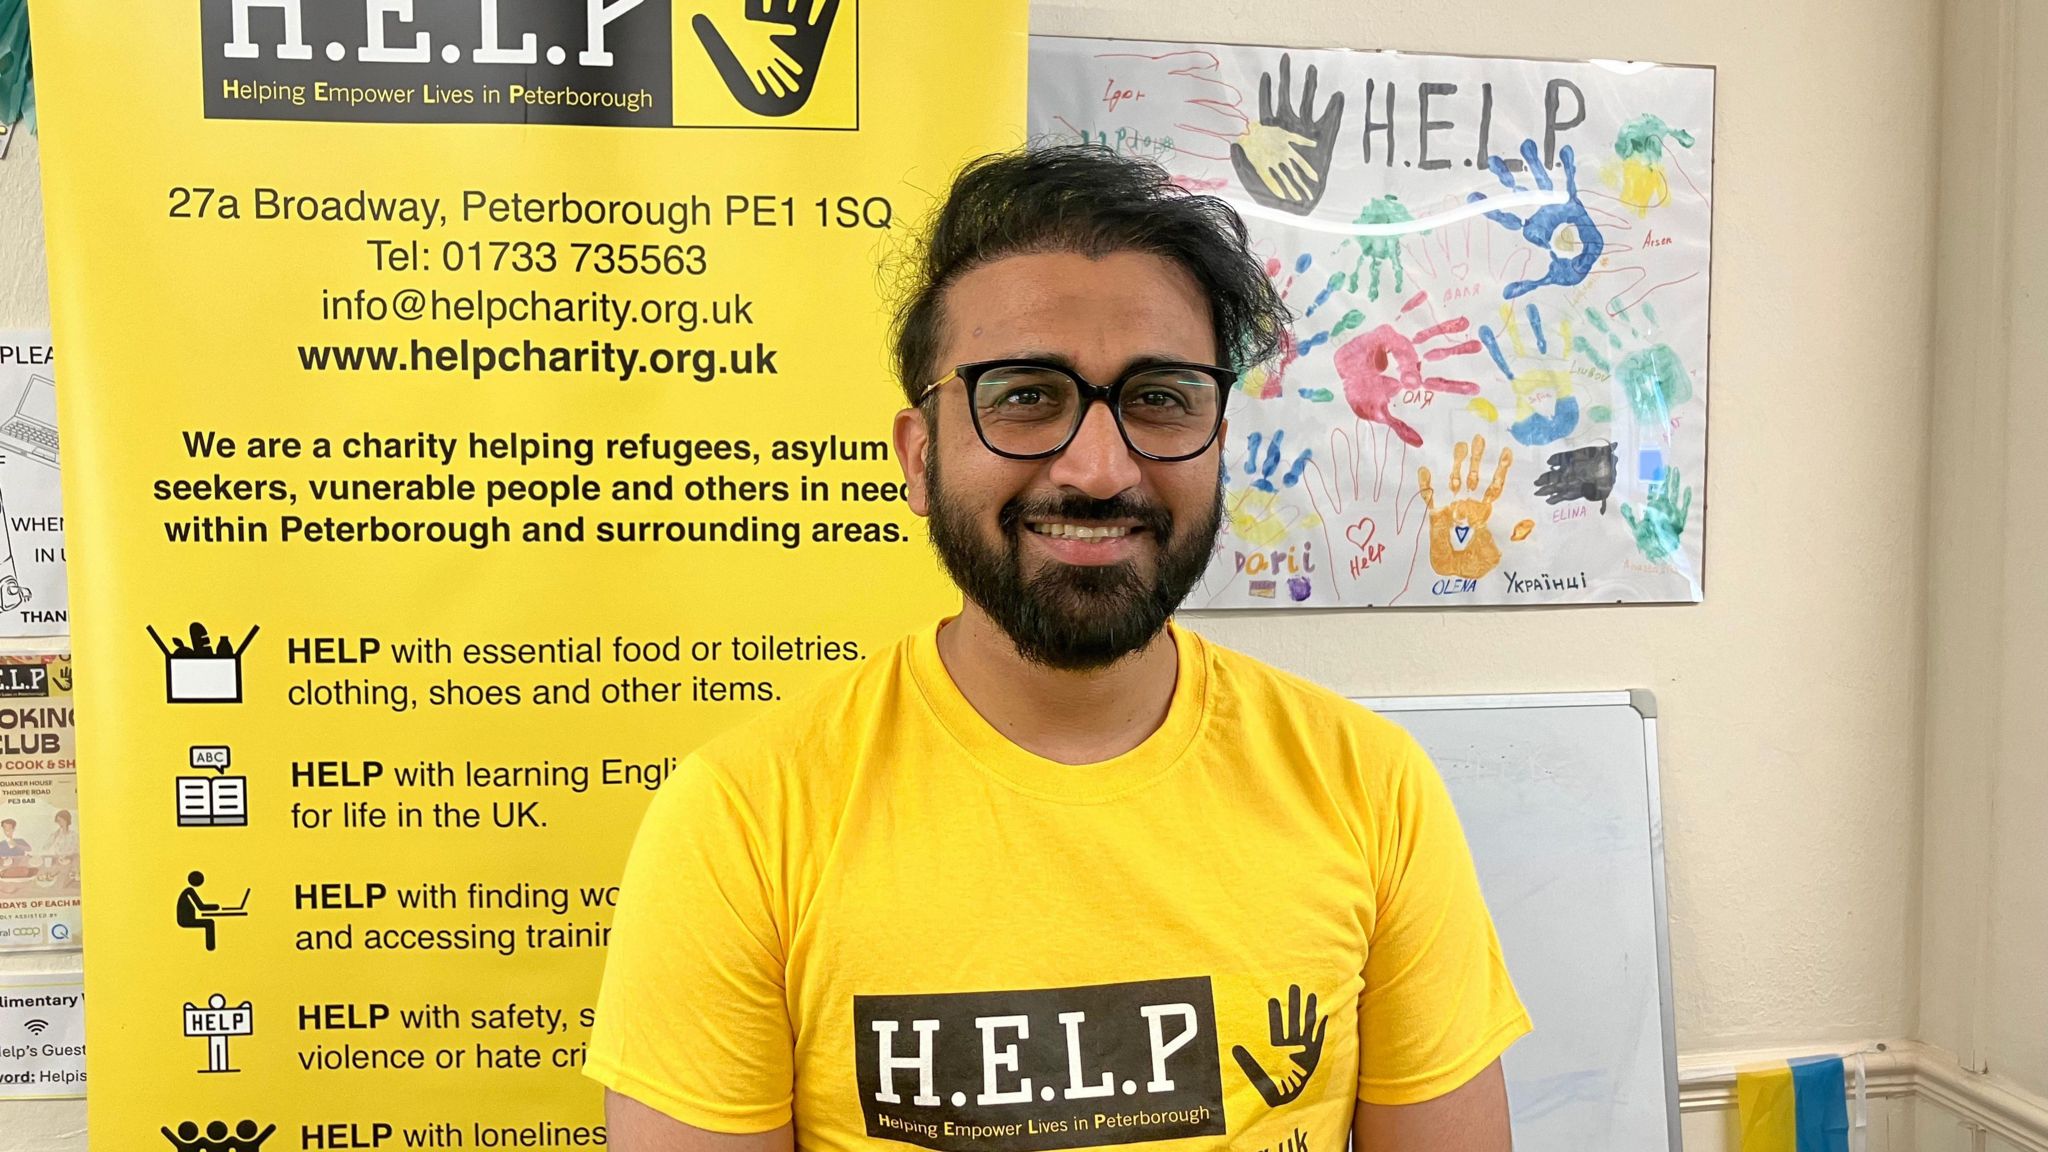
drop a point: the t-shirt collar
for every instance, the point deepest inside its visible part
(1035, 775)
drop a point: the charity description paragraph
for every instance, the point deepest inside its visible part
(470, 410)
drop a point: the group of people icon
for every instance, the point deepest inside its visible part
(217, 1137)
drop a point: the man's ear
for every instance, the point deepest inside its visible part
(913, 437)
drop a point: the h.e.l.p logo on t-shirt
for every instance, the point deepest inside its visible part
(1041, 1067)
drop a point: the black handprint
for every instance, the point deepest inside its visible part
(782, 42)
(1581, 474)
(1303, 1032)
(1283, 160)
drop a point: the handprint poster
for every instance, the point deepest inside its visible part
(1495, 389)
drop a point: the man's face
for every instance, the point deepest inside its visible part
(1003, 527)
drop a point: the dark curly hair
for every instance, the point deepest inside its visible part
(1087, 199)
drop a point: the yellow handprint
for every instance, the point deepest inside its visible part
(1282, 160)
(1460, 542)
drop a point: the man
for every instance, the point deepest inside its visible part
(1056, 873)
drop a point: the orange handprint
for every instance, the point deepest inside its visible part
(1460, 542)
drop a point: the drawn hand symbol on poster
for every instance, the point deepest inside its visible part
(1650, 373)
(1640, 147)
(1565, 230)
(780, 44)
(1266, 472)
(1546, 409)
(1382, 366)
(1302, 1030)
(1662, 523)
(1587, 474)
(1460, 541)
(1381, 250)
(1284, 160)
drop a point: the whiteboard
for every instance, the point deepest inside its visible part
(1558, 797)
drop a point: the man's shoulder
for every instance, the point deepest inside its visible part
(1256, 696)
(816, 725)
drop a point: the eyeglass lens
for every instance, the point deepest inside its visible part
(1165, 412)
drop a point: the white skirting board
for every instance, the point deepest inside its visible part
(1920, 1100)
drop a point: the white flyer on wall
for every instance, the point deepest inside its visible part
(42, 1035)
(1495, 388)
(33, 598)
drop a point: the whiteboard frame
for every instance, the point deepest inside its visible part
(1645, 704)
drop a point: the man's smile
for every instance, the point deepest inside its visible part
(1087, 541)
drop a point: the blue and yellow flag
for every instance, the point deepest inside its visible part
(1800, 1106)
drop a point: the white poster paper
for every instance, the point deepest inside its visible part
(1495, 389)
(42, 1035)
(33, 598)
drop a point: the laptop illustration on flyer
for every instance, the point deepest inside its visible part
(31, 429)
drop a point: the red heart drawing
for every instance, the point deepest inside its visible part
(1370, 528)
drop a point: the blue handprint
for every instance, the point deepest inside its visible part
(1263, 470)
(1541, 227)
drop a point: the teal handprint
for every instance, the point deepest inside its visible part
(1662, 524)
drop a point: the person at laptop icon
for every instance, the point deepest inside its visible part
(196, 912)
(30, 429)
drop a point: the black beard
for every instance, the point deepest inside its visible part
(1073, 617)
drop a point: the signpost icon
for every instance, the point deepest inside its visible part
(216, 1022)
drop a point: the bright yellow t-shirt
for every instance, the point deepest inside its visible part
(868, 910)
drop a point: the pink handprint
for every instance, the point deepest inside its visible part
(1380, 366)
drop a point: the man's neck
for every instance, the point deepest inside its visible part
(1067, 717)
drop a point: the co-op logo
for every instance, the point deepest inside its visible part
(383, 32)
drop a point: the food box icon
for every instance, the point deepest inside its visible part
(203, 670)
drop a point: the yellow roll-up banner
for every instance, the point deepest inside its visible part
(467, 407)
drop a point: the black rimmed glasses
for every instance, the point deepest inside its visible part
(1031, 409)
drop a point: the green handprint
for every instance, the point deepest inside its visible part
(1663, 520)
(1380, 249)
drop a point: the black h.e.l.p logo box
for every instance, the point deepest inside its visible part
(440, 61)
(1041, 1067)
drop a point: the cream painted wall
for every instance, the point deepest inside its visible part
(1984, 897)
(1791, 699)
(24, 286)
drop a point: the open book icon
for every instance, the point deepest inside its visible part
(208, 801)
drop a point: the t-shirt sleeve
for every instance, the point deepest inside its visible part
(692, 1020)
(1438, 1005)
